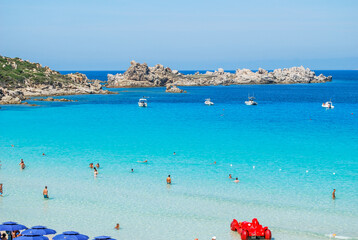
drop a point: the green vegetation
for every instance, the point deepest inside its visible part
(15, 72)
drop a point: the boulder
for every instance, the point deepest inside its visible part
(173, 89)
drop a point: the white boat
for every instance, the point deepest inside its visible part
(142, 102)
(251, 101)
(208, 102)
(327, 104)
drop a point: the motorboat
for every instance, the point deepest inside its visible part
(208, 102)
(142, 102)
(251, 101)
(327, 104)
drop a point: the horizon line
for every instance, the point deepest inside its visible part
(210, 70)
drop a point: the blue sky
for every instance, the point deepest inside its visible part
(195, 34)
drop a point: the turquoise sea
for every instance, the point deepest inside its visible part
(288, 152)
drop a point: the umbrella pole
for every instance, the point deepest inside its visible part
(9, 235)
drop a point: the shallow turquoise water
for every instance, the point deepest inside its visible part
(288, 153)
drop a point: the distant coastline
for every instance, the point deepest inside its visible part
(140, 75)
(21, 80)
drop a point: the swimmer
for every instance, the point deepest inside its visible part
(91, 165)
(174, 153)
(143, 161)
(236, 180)
(22, 164)
(95, 171)
(45, 193)
(1, 190)
(169, 180)
(12, 145)
(97, 165)
(117, 226)
(230, 176)
(43, 154)
(215, 162)
(334, 194)
(132, 170)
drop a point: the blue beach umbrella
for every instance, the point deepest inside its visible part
(104, 238)
(30, 236)
(11, 226)
(70, 235)
(39, 230)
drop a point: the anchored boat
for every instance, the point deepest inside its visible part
(328, 104)
(251, 101)
(208, 102)
(142, 102)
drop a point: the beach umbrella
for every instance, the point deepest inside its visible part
(39, 230)
(31, 236)
(104, 238)
(11, 226)
(70, 235)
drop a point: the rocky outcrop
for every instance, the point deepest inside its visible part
(21, 79)
(11, 97)
(51, 99)
(140, 75)
(173, 89)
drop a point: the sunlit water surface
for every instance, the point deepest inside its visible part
(288, 153)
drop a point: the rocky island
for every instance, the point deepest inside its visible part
(140, 75)
(20, 79)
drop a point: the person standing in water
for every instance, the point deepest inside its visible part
(334, 194)
(95, 171)
(1, 191)
(169, 180)
(45, 193)
(22, 164)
